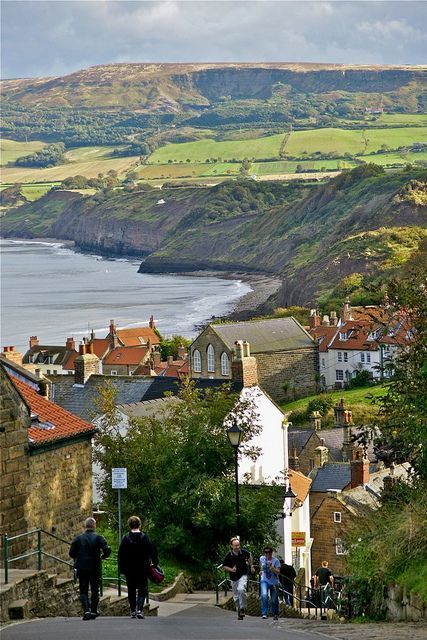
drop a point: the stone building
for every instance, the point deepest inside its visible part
(46, 466)
(338, 509)
(286, 355)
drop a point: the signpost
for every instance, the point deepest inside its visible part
(298, 538)
(119, 480)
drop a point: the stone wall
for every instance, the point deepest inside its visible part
(48, 487)
(15, 469)
(404, 605)
(297, 367)
(60, 494)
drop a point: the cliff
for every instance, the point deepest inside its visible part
(365, 223)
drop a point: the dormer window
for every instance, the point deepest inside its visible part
(344, 335)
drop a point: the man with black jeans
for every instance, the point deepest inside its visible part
(86, 552)
(136, 552)
(287, 578)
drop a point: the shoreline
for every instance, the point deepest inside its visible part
(251, 304)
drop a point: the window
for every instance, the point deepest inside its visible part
(337, 516)
(55, 372)
(344, 335)
(113, 372)
(211, 358)
(225, 367)
(197, 361)
(339, 356)
(368, 358)
(362, 358)
(345, 356)
(339, 547)
(339, 374)
(48, 372)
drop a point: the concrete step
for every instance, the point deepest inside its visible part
(19, 609)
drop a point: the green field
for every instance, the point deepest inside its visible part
(86, 154)
(187, 170)
(406, 119)
(385, 159)
(342, 141)
(284, 166)
(11, 150)
(351, 397)
(202, 150)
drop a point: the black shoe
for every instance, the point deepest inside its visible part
(133, 614)
(140, 615)
(276, 618)
(94, 615)
(87, 615)
(242, 612)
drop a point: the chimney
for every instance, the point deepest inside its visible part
(339, 411)
(43, 389)
(151, 323)
(170, 359)
(86, 364)
(156, 358)
(314, 319)
(293, 460)
(325, 321)
(321, 456)
(181, 352)
(359, 470)
(10, 354)
(112, 327)
(33, 342)
(334, 319)
(70, 345)
(316, 420)
(244, 366)
(346, 313)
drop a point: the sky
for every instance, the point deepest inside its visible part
(51, 38)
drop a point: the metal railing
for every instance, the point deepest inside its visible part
(7, 560)
(300, 597)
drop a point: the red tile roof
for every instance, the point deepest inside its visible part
(68, 365)
(126, 356)
(138, 336)
(324, 335)
(54, 422)
(100, 346)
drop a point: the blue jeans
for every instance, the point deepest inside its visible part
(265, 590)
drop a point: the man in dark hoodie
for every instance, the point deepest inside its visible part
(86, 552)
(136, 553)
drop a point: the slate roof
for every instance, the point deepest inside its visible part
(277, 334)
(57, 354)
(333, 475)
(49, 422)
(298, 438)
(82, 400)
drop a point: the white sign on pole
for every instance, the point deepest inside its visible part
(119, 478)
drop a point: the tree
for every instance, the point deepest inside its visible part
(181, 473)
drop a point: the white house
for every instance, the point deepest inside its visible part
(272, 463)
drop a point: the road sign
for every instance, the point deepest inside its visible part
(119, 478)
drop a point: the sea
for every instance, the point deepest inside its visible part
(53, 292)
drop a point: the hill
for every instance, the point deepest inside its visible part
(344, 237)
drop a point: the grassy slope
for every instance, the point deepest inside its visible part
(11, 149)
(361, 396)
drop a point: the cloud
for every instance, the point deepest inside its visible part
(53, 38)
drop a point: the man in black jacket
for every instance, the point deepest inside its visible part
(86, 552)
(136, 553)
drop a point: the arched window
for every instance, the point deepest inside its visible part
(225, 364)
(197, 361)
(211, 358)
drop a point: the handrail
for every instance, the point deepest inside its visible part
(39, 551)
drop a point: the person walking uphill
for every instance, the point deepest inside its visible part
(136, 553)
(86, 552)
(237, 562)
(269, 573)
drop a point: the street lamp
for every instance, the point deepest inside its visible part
(235, 434)
(288, 501)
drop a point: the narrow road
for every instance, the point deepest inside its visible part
(204, 622)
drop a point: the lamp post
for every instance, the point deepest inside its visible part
(235, 433)
(288, 498)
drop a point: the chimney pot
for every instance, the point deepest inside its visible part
(33, 342)
(325, 321)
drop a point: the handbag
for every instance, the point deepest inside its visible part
(155, 574)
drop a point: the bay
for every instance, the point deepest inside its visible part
(54, 292)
